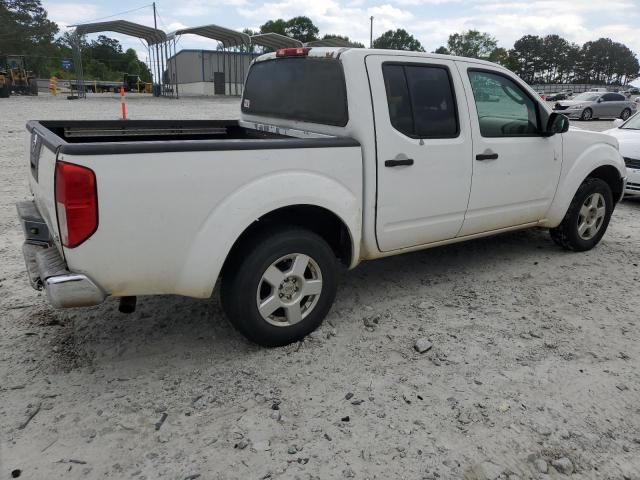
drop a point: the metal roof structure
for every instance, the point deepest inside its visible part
(150, 35)
(226, 36)
(275, 41)
(330, 42)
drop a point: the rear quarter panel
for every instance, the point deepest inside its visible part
(168, 220)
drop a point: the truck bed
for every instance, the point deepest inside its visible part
(99, 137)
(174, 195)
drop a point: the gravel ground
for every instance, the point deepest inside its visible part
(533, 371)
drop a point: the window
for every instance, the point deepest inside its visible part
(612, 97)
(305, 89)
(421, 100)
(504, 109)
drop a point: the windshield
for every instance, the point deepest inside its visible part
(633, 123)
(587, 97)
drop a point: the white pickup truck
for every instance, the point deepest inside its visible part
(340, 156)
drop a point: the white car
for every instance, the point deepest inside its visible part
(628, 135)
(340, 156)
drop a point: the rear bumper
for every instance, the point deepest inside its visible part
(47, 269)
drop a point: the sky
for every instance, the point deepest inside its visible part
(430, 21)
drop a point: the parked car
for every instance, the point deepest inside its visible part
(590, 105)
(340, 156)
(631, 91)
(628, 136)
(552, 97)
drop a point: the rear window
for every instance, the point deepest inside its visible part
(305, 89)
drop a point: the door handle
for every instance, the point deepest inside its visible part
(487, 156)
(405, 162)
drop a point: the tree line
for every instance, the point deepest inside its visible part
(300, 28)
(551, 59)
(548, 59)
(26, 30)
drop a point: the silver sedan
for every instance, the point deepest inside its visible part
(589, 105)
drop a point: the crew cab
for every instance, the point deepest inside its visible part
(340, 156)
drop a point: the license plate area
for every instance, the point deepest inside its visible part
(34, 226)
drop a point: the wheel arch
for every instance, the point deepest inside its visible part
(295, 199)
(599, 161)
(323, 222)
(611, 176)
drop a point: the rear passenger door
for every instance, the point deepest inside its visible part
(612, 104)
(423, 143)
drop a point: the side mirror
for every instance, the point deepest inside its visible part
(557, 123)
(617, 122)
(600, 100)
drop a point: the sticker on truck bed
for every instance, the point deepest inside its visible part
(247, 103)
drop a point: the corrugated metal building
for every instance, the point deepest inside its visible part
(209, 72)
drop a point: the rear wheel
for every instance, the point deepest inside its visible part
(278, 287)
(626, 113)
(587, 114)
(587, 218)
(5, 91)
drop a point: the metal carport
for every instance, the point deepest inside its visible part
(151, 36)
(228, 39)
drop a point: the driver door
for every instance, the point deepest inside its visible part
(515, 168)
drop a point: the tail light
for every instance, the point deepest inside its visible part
(293, 52)
(76, 203)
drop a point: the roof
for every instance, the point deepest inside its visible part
(342, 53)
(226, 36)
(150, 35)
(275, 41)
(331, 42)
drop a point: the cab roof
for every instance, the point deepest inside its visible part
(347, 53)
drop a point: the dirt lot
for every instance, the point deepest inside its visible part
(535, 358)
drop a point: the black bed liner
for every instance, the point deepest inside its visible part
(108, 137)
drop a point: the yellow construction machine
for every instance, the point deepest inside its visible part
(15, 78)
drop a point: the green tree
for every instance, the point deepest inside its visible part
(442, 51)
(302, 28)
(472, 43)
(500, 56)
(278, 26)
(398, 39)
(26, 30)
(526, 57)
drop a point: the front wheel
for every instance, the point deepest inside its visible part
(587, 218)
(626, 113)
(278, 287)
(587, 114)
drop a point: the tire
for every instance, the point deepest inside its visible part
(33, 88)
(585, 214)
(587, 114)
(268, 259)
(5, 92)
(626, 113)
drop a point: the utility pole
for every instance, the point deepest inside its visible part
(155, 25)
(370, 33)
